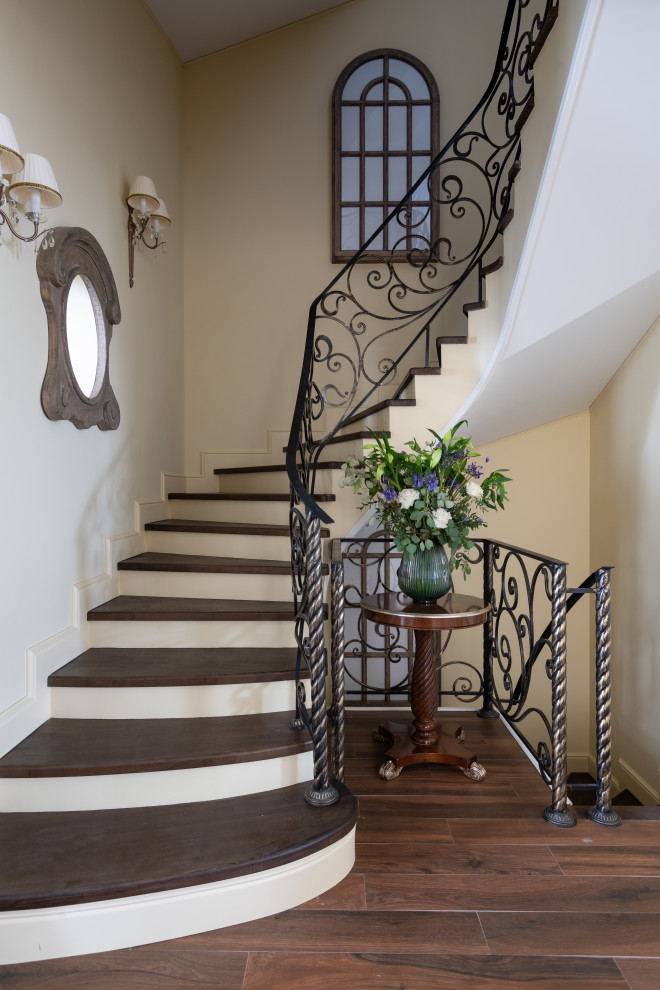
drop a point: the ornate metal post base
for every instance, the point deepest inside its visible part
(602, 813)
(323, 797)
(488, 710)
(602, 817)
(564, 818)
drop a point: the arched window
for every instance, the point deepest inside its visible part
(385, 134)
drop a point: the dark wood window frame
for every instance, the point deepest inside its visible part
(340, 254)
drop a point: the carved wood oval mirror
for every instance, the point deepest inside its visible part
(82, 306)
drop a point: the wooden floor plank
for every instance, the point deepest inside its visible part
(378, 828)
(635, 832)
(595, 860)
(142, 968)
(393, 809)
(641, 974)
(553, 933)
(336, 931)
(348, 895)
(426, 858)
(392, 971)
(501, 893)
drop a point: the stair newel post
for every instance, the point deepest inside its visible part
(488, 709)
(337, 659)
(320, 792)
(559, 813)
(603, 813)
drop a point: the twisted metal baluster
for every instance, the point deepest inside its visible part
(337, 660)
(488, 710)
(558, 813)
(320, 792)
(602, 813)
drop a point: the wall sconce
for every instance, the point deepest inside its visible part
(32, 186)
(147, 216)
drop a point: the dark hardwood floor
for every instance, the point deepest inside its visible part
(457, 886)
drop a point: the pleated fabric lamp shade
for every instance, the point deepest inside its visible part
(142, 195)
(11, 160)
(35, 185)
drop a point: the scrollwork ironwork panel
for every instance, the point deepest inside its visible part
(379, 659)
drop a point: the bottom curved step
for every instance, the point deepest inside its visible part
(79, 882)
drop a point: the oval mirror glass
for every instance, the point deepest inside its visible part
(85, 334)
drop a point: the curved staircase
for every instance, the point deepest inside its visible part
(165, 794)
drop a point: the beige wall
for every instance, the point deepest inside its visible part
(257, 194)
(625, 532)
(95, 88)
(548, 512)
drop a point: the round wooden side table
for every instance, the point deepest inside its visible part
(425, 741)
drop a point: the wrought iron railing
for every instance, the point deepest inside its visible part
(521, 674)
(374, 320)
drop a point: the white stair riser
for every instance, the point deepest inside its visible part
(274, 481)
(186, 701)
(271, 513)
(174, 584)
(220, 544)
(161, 634)
(101, 926)
(138, 790)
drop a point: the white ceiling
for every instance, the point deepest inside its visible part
(199, 27)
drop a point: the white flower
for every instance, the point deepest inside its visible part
(408, 497)
(441, 518)
(473, 488)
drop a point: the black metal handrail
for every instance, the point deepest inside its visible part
(376, 299)
(479, 153)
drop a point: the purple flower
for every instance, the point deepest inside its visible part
(473, 470)
(431, 482)
(418, 481)
(389, 494)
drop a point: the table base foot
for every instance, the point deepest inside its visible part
(475, 771)
(446, 748)
(389, 770)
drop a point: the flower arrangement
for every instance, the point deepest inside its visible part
(429, 495)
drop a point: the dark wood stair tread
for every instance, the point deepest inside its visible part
(505, 221)
(356, 435)
(211, 526)
(201, 564)
(71, 747)
(148, 608)
(378, 407)
(416, 371)
(494, 266)
(259, 468)
(52, 858)
(525, 112)
(154, 667)
(472, 307)
(242, 497)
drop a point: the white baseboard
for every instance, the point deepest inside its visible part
(635, 783)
